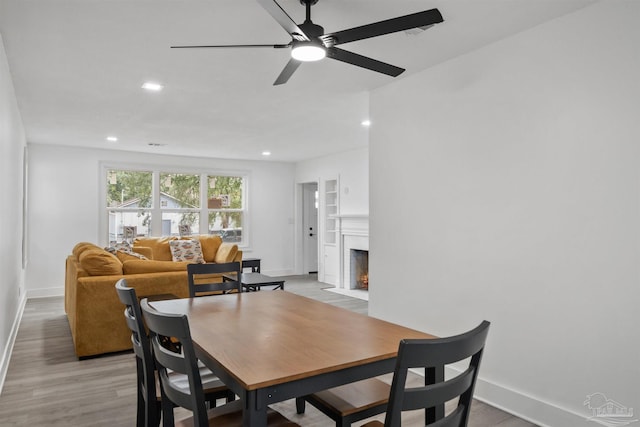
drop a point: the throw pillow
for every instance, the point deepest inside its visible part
(186, 250)
(98, 262)
(126, 256)
(81, 247)
(121, 246)
(159, 246)
(210, 245)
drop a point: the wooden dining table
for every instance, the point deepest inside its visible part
(273, 346)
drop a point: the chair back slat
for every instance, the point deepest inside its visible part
(213, 277)
(437, 353)
(438, 393)
(176, 327)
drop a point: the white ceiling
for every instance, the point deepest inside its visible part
(77, 67)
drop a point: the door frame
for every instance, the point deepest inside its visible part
(299, 225)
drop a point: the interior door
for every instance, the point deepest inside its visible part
(310, 226)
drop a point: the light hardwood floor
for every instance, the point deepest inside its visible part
(47, 385)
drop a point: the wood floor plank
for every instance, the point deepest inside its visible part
(47, 385)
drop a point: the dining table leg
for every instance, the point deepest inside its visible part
(254, 413)
(432, 376)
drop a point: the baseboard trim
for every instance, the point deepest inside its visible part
(6, 354)
(45, 292)
(521, 405)
(278, 273)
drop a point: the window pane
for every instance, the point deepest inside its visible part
(128, 225)
(171, 222)
(128, 189)
(225, 192)
(179, 191)
(228, 225)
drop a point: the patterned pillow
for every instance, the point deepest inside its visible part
(186, 250)
(126, 256)
(115, 247)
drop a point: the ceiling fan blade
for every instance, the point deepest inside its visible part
(402, 23)
(364, 62)
(276, 46)
(288, 70)
(282, 18)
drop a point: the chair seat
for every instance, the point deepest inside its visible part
(353, 398)
(230, 414)
(210, 382)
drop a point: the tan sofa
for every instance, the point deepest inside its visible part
(93, 309)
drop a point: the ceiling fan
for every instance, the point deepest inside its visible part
(310, 43)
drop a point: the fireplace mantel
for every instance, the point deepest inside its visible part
(354, 234)
(353, 224)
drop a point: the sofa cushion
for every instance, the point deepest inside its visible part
(150, 266)
(210, 245)
(144, 251)
(159, 246)
(81, 247)
(226, 253)
(126, 256)
(186, 250)
(98, 262)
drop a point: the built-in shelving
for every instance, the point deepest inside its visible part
(331, 201)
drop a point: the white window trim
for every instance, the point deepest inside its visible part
(156, 210)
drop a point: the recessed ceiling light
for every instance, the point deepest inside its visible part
(266, 153)
(112, 138)
(151, 86)
(366, 123)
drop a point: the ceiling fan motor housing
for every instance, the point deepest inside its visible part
(311, 30)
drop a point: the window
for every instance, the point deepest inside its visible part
(167, 203)
(225, 206)
(179, 202)
(129, 198)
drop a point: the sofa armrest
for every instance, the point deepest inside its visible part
(99, 325)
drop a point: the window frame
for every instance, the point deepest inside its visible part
(156, 210)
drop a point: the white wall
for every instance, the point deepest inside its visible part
(352, 169)
(509, 190)
(64, 207)
(12, 143)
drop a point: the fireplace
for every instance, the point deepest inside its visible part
(359, 277)
(354, 252)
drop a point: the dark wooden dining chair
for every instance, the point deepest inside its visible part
(148, 398)
(363, 399)
(211, 278)
(185, 362)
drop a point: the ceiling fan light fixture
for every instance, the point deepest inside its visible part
(308, 51)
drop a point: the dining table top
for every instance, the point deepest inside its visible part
(263, 339)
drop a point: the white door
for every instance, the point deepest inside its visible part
(310, 226)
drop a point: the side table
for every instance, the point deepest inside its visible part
(252, 263)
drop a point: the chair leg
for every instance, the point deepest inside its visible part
(167, 411)
(300, 405)
(141, 412)
(153, 412)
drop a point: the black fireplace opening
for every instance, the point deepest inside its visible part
(359, 261)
